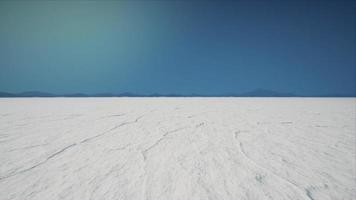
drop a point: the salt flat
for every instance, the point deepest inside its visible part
(178, 148)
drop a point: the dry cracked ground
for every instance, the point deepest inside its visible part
(178, 148)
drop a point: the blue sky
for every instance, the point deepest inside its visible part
(183, 47)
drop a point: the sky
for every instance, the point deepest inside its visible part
(181, 47)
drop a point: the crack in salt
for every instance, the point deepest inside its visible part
(265, 169)
(108, 131)
(145, 151)
(67, 147)
(40, 163)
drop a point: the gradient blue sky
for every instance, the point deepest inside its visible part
(206, 47)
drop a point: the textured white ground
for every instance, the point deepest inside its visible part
(177, 148)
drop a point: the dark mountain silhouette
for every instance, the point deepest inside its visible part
(253, 93)
(266, 93)
(26, 94)
(35, 94)
(7, 94)
(76, 95)
(104, 95)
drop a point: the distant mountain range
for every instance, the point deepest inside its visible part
(253, 93)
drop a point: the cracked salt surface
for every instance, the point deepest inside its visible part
(178, 148)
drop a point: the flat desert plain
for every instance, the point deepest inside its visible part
(177, 148)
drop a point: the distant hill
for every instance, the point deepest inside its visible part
(26, 94)
(35, 94)
(6, 94)
(266, 93)
(253, 93)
